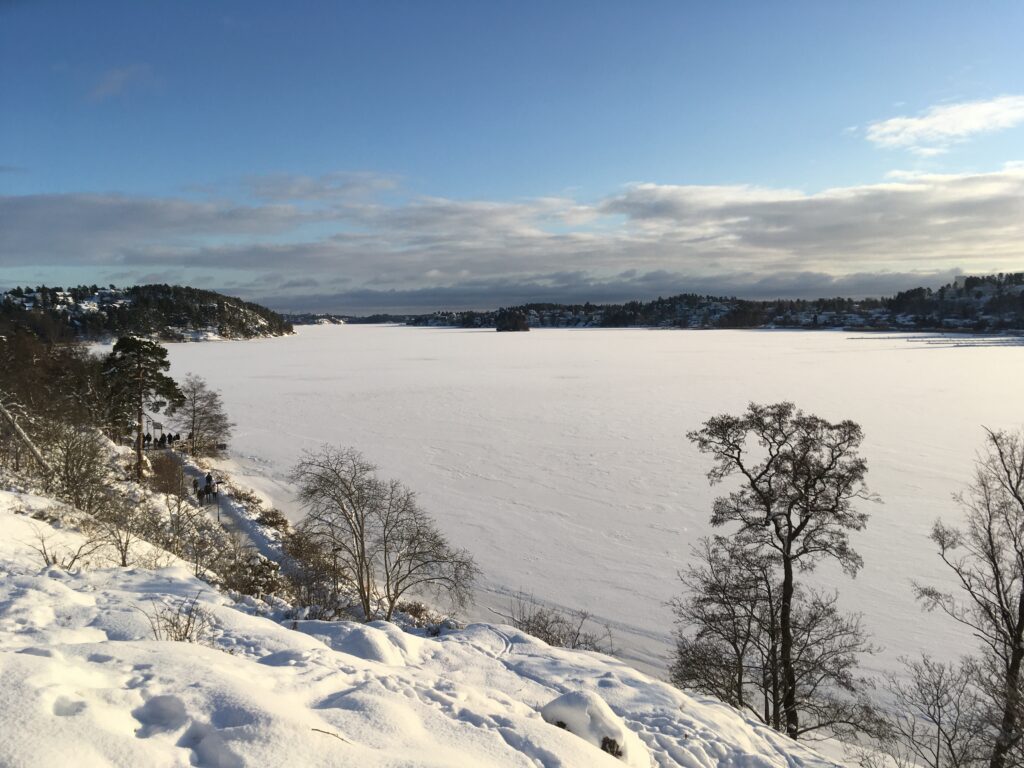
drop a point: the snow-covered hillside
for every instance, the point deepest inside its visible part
(84, 684)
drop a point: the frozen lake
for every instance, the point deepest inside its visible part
(559, 457)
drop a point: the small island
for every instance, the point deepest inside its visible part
(511, 320)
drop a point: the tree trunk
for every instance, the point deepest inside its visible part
(1009, 726)
(788, 673)
(773, 658)
(20, 434)
(138, 445)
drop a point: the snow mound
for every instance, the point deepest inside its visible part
(85, 684)
(585, 714)
(377, 641)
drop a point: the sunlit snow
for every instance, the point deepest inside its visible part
(559, 457)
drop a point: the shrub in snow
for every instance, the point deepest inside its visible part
(248, 573)
(64, 557)
(183, 622)
(273, 518)
(563, 629)
(585, 714)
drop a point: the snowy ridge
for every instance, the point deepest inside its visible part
(85, 685)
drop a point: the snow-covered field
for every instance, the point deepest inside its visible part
(85, 684)
(559, 457)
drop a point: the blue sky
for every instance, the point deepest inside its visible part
(363, 156)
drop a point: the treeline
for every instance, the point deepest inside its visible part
(165, 311)
(988, 303)
(756, 631)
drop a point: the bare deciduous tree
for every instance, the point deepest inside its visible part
(340, 493)
(379, 543)
(730, 644)
(202, 417)
(798, 486)
(414, 555)
(183, 516)
(938, 718)
(79, 462)
(122, 522)
(986, 556)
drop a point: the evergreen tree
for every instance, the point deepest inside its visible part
(136, 382)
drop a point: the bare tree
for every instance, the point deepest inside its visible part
(729, 644)
(722, 618)
(414, 555)
(987, 558)
(121, 522)
(799, 482)
(202, 416)
(340, 493)
(380, 544)
(938, 719)
(79, 461)
(9, 411)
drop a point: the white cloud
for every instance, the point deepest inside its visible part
(933, 132)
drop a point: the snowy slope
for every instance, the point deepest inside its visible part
(82, 684)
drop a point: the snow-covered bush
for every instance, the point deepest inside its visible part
(273, 518)
(585, 714)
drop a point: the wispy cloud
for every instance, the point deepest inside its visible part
(644, 240)
(115, 82)
(941, 126)
(343, 185)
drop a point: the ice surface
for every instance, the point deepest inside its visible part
(559, 457)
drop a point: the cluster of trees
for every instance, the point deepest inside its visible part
(365, 547)
(160, 310)
(755, 634)
(60, 406)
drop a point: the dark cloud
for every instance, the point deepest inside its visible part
(577, 288)
(328, 243)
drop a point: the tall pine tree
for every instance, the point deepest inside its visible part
(136, 382)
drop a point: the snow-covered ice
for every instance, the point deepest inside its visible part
(83, 684)
(559, 457)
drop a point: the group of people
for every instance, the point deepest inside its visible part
(164, 441)
(207, 490)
